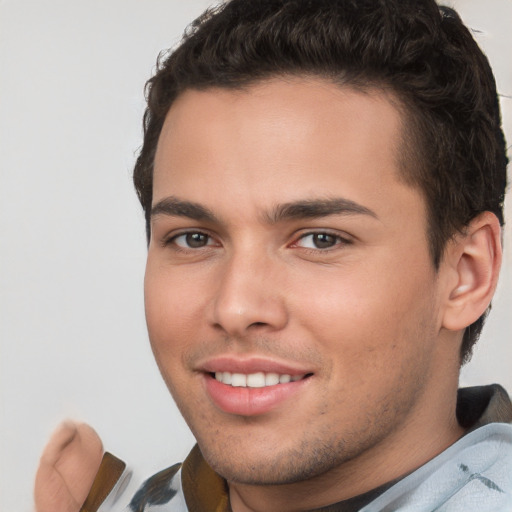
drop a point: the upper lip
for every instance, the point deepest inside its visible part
(250, 365)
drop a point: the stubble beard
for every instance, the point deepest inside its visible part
(311, 450)
(314, 455)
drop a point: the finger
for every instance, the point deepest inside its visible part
(50, 492)
(63, 435)
(67, 468)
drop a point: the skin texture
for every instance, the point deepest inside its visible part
(260, 265)
(67, 468)
(363, 315)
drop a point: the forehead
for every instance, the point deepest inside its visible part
(278, 141)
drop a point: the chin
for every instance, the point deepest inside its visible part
(275, 466)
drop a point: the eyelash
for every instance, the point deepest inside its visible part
(172, 240)
(337, 241)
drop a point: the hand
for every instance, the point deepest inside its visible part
(67, 468)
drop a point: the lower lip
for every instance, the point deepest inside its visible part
(245, 401)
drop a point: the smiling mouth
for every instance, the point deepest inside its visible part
(256, 380)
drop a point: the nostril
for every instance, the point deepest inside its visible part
(258, 324)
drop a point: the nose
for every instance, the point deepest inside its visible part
(249, 296)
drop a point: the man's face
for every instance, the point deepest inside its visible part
(288, 259)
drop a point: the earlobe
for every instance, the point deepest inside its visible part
(475, 257)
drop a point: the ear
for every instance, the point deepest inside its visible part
(474, 261)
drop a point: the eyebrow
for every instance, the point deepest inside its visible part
(314, 208)
(178, 208)
(305, 209)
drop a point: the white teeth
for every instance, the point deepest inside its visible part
(271, 379)
(239, 380)
(255, 380)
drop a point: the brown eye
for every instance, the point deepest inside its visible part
(324, 240)
(196, 240)
(319, 241)
(193, 240)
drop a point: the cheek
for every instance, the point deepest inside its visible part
(171, 311)
(369, 318)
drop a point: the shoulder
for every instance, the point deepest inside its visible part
(474, 474)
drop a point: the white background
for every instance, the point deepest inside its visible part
(72, 334)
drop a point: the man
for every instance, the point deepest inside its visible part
(323, 185)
